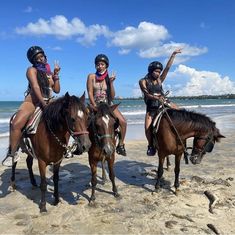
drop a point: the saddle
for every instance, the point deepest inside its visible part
(157, 119)
(30, 128)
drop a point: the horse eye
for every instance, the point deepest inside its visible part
(73, 120)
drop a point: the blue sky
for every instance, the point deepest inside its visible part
(132, 33)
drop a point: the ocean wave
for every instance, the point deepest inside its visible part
(5, 134)
(4, 120)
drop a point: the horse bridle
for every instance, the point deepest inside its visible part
(208, 143)
(98, 137)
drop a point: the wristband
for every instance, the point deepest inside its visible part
(55, 78)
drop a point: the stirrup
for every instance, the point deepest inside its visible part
(10, 159)
(121, 150)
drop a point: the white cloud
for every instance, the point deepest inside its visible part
(60, 27)
(201, 83)
(149, 40)
(144, 36)
(168, 48)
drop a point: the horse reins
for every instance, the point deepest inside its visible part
(177, 133)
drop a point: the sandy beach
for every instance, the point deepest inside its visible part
(140, 210)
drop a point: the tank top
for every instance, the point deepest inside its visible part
(153, 89)
(100, 91)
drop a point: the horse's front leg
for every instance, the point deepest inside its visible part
(56, 181)
(112, 177)
(177, 172)
(29, 161)
(13, 184)
(43, 185)
(159, 172)
(93, 166)
(104, 178)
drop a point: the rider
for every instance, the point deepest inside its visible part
(42, 82)
(100, 88)
(151, 86)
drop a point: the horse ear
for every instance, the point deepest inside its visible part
(114, 106)
(67, 95)
(82, 98)
(66, 100)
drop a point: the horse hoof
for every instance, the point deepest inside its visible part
(12, 186)
(43, 209)
(117, 195)
(177, 192)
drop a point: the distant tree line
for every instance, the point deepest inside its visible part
(226, 96)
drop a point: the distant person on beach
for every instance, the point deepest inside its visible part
(151, 86)
(100, 88)
(42, 83)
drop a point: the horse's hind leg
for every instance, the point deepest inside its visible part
(112, 177)
(29, 161)
(168, 163)
(56, 180)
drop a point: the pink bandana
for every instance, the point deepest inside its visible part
(100, 77)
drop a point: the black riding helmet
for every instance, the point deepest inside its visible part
(32, 52)
(155, 65)
(103, 58)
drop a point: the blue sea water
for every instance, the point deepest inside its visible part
(134, 112)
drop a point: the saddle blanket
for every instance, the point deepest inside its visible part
(32, 125)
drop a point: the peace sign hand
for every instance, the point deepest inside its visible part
(56, 67)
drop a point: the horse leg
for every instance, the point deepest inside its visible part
(104, 178)
(29, 161)
(112, 177)
(168, 163)
(43, 185)
(13, 185)
(56, 180)
(159, 172)
(177, 172)
(93, 166)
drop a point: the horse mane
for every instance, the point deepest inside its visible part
(195, 120)
(54, 113)
(103, 109)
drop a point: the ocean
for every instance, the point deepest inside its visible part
(220, 110)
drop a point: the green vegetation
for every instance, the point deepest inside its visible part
(226, 96)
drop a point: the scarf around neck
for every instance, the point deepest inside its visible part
(43, 67)
(100, 77)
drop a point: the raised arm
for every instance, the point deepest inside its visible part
(169, 63)
(56, 87)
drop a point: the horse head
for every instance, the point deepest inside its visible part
(103, 124)
(76, 117)
(204, 143)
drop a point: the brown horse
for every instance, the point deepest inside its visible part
(102, 128)
(64, 117)
(175, 127)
